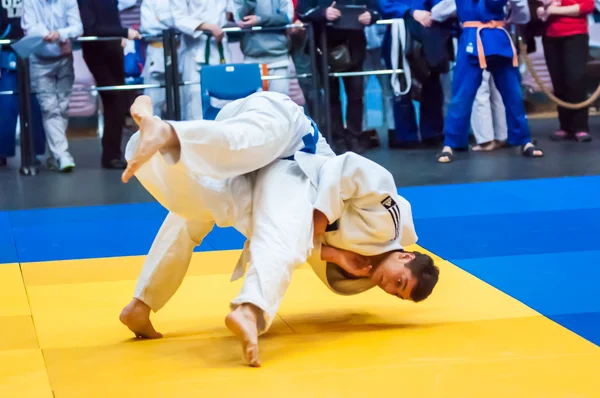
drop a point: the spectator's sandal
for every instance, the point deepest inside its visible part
(582, 136)
(449, 155)
(529, 152)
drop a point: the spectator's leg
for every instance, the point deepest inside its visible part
(554, 52)
(37, 126)
(45, 77)
(64, 85)
(464, 89)
(506, 78)
(498, 113)
(154, 56)
(106, 62)
(337, 123)
(281, 85)
(9, 111)
(432, 111)
(355, 88)
(387, 94)
(405, 119)
(301, 60)
(368, 65)
(576, 52)
(481, 118)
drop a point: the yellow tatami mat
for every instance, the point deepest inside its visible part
(467, 340)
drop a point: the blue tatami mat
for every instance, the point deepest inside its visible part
(8, 252)
(562, 286)
(95, 231)
(458, 200)
(511, 234)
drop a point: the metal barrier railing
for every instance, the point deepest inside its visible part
(172, 81)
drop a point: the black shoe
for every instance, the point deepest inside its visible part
(358, 144)
(115, 164)
(3, 162)
(373, 138)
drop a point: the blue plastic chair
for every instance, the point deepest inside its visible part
(227, 82)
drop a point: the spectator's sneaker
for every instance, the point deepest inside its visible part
(65, 164)
(582, 136)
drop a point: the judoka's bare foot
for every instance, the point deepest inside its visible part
(243, 323)
(142, 106)
(136, 316)
(155, 135)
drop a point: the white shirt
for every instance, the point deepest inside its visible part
(189, 14)
(45, 16)
(156, 16)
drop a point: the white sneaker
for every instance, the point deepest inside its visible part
(64, 164)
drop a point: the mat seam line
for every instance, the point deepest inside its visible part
(37, 338)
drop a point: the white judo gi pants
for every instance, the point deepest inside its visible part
(281, 221)
(53, 79)
(488, 119)
(192, 57)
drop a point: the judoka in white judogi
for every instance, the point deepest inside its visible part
(238, 171)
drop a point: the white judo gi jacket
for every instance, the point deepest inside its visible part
(232, 172)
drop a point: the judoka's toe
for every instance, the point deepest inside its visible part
(251, 354)
(136, 316)
(242, 323)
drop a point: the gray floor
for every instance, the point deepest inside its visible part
(91, 185)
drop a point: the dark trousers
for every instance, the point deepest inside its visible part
(431, 121)
(354, 86)
(9, 112)
(301, 58)
(105, 59)
(566, 58)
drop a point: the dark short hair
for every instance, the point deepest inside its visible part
(426, 273)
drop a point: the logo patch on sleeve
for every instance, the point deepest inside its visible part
(392, 207)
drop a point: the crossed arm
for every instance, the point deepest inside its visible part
(351, 262)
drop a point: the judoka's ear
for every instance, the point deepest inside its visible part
(405, 256)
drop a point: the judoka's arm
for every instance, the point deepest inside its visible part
(29, 21)
(353, 263)
(190, 25)
(443, 10)
(519, 12)
(75, 27)
(575, 10)
(310, 11)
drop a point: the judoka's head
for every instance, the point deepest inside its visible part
(407, 275)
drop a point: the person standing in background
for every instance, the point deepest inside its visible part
(52, 73)
(10, 29)
(374, 61)
(347, 47)
(273, 48)
(566, 47)
(156, 16)
(193, 18)
(105, 59)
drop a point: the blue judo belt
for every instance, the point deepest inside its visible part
(310, 140)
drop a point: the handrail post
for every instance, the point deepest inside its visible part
(175, 74)
(325, 79)
(168, 57)
(314, 69)
(28, 166)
